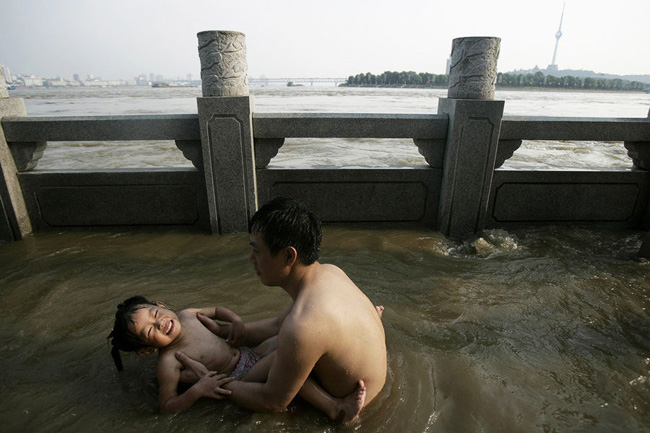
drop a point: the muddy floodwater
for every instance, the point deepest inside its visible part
(532, 330)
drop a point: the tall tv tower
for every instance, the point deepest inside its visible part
(558, 35)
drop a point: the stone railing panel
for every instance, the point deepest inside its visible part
(349, 125)
(102, 128)
(574, 128)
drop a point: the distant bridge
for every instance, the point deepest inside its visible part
(311, 81)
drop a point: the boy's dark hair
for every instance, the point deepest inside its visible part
(122, 338)
(285, 222)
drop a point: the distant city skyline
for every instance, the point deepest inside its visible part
(121, 40)
(190, 78)
(153, 77)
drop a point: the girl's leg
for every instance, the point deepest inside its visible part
(266, 351)
(260, 371)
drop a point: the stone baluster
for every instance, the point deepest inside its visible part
(14, 220)
(639, 151)
(225, 116)
(472, 138)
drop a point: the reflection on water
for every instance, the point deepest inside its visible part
(536, 330)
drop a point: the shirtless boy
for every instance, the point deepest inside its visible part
(144, 327)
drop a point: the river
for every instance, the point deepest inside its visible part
(542, 329)
(325, 152)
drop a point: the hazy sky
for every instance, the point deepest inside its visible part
(330, 38)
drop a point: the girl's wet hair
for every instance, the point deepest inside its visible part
(121, 338)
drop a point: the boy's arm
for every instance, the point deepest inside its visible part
(218, 313)
(233, 330)
(226, 315)
(298, 351)
(209, 385)
(256, 332)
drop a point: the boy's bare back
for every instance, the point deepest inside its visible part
(352, 337)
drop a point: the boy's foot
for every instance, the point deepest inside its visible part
(352, 404)
(380, 310)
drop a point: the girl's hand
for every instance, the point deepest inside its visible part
(210, 385)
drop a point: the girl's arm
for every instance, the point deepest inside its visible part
(209, 385)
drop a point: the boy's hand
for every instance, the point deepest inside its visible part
(237, 333)
(210, 385)
(209, 323)
(193, 371)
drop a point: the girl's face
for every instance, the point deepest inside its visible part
(155, 325)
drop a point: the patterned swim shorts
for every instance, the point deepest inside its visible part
(247, 359)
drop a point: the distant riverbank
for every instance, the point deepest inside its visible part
(538, 80)
(500, 88)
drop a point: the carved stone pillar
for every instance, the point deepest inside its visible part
(224, 71)
(472, 138)
(473, 69)
(225, 116)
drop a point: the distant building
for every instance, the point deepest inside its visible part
(93, 82)
(553, 66)
(6, 73)
(141, 80)
(31, 81)
(58, 82)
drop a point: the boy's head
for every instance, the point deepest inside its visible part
(141, 325)
(284, 222)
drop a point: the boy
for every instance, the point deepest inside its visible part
(144, 327)
(329, 331)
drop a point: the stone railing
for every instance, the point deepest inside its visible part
(460, 191)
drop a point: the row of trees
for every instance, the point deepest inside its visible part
(404, 78)
(538, 79)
